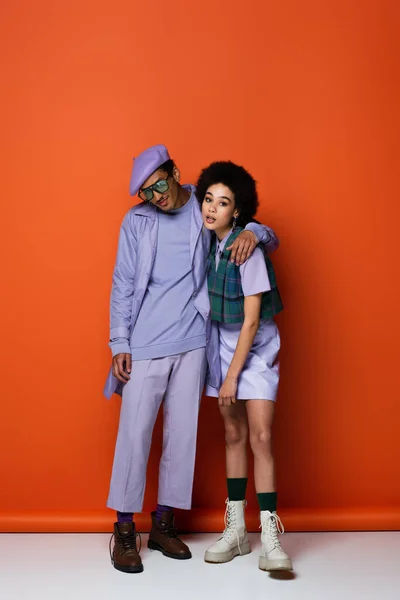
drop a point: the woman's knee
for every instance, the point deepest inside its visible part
(261, 441)
(235, 433)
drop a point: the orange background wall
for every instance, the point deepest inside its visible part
(304, 95)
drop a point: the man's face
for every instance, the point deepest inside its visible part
(166, 200)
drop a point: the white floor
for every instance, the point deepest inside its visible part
(328, 566)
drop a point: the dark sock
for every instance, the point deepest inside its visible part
(267, 501)
(236, 488)
(124, 517)
(160, 509)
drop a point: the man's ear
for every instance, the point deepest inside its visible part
(176, 174)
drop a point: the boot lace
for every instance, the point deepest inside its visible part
(230, 524)
(127, 542)
(169, 530)
(274, 525)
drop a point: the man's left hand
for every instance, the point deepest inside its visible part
(243, 247)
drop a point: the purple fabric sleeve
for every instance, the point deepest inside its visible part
(265, 235)
(254, 274)
(122, 288)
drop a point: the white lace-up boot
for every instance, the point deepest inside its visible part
(234, 540)
(272, 557)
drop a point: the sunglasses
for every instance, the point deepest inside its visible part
(159, 186)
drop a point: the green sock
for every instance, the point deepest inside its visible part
(237, 488)
(267, 501)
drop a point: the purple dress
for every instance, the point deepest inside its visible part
(259, 378)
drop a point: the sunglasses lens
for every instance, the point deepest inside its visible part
(146, 194)
(161, 186)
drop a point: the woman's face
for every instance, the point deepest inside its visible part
(218, 208)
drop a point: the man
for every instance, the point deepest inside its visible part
(160, 341)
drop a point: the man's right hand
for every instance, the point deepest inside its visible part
(122, 366)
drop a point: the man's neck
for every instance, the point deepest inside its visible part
(183, 197)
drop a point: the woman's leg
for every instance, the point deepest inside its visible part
(236, 433)
(234, 540)
(260, 415)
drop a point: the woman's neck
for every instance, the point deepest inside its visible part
(222, 232)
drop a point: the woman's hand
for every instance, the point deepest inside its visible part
(227, 393)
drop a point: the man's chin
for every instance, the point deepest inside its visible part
(165, 208)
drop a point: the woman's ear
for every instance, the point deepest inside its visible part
(236, 214)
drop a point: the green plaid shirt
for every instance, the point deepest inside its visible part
(225, 287)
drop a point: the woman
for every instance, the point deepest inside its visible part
(244, 299)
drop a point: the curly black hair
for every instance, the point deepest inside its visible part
(238, 180)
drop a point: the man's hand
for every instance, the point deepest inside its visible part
(227, 393)
(243, 247)
(122, 366)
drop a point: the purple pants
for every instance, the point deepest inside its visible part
(179, 381)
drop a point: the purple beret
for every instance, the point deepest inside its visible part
(145, 164)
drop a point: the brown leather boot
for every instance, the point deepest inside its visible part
(164, 537)
(125, 556)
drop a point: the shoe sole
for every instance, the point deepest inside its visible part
(223, 557)
(154, 546)
(266, 564)
(137, 569)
